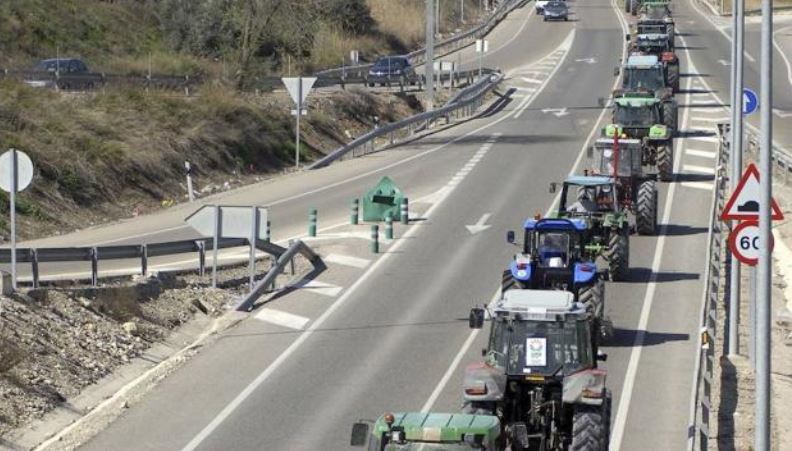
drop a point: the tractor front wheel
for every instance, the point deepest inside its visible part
(618, 255)
(665, 161)
(646, 208)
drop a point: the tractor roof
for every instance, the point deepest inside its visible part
(624, 142)
(635, 101)
(549, 224)
(588, 180)
(538, 304)
(440, 427)
(637, 60)
(653, 37)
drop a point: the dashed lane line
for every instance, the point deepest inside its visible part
(698, 169)
(282, 319)
(701, 153)
(348, 260)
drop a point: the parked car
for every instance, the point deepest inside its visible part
(392, 69)
(68, 73)
(556, 10)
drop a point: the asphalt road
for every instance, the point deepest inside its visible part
(394, 336)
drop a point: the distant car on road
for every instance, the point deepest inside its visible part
(556, 10)
(392, 69)
(541, 4)
(46, 72)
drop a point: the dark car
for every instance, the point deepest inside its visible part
(69, 72)
(556, 10)
(392, 69)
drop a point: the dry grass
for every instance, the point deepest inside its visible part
(402, 19)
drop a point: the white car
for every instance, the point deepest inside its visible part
(540, 6)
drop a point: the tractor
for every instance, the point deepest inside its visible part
(642, 116)
(594, 199)
(644, 74)
(555, 257)
(539, 375)
(656, 19)
(414, 431)
(661, 46)
(635, 190)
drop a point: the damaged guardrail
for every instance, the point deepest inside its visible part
(397, 132)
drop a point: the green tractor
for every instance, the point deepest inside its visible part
(656, 19)
(416, 431)
(540, 375)
(646, 74)
(594, 199)
(660, 45)
(646, 118)
(636, 191)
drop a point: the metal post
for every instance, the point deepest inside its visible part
(462, 11)
(216, 242)
(268, 231)
(429, 63)
(34, 267)
(201, 257)
(763, 308)
(312, 222)
(355, 213)
(94, 267)
(388, 227)
(752, 318)
(12, 207)
(188, 170)
(297, 132)
(405, 212)
(254, 226)
(375, 239)
(735, 153)
(144, 260)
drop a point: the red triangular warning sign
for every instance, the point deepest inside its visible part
(743, 205)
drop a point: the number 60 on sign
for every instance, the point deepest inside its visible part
(745, 243)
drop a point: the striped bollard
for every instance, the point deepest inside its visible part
(312, 223)
(389, 227)
(355, 213)
(405, 212)
(375, 239)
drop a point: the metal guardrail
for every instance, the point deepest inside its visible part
(95, 254)
(295, 247)
(700, 432)
(95, 80)
(781, 156)
(397, 132)
(443, 47)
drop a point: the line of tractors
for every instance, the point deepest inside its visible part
(539, 386)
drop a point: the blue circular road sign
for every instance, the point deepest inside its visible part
(750, 102)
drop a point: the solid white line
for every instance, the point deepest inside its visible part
(701, 153)
(698, 169)
(281, 318)
(719, 28)
(704, 186)
(783, 55)
(347, 260)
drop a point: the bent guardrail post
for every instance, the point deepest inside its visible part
(94, 255)
(34, 267)
(246, 304)
(201, 248)
(144, 260)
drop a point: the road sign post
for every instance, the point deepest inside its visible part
(188, 171)
(298, 88)
(16, 173)
(429, 60)
(482, 47)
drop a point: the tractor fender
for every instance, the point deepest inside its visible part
(585, 273)
(521, 269)
(585, 387)
(484, 382)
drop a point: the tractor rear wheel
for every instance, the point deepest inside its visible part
(594, 294)
(618, 255)
(670, 115)
(627, 5)
(633, 7)
(665, 161)
(646, 208)
(673, 76)
(589, 430)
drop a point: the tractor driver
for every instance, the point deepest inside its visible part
(605, 198)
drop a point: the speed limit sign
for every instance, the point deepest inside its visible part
(745, 244)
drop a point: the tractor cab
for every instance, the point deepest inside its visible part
(643, 73)
(586, 196)
(552, 256)
(417, 431)
(656, 10)
(617, 158)
(654, 44)
(637, 115)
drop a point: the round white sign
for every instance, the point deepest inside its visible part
(24, 170)
(745, 243)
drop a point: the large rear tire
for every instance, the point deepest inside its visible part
(589, 431)
(673, 76)
(646, 208)
(594, 294)
(665, 161)
(618, 255)
(670, 115)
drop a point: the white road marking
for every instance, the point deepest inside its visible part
(706, 139)
(315, 286)
(531, 80)
(698, 169)
(720, 28)
(557, 112)
(705, 186)
(566, 45)
(479, 226)
(713, 120)
(348, 260)
(281, 318)
(701, 153)
(783, 55)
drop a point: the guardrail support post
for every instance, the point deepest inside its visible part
(355, 213)
(34, 267)
(268, 231)
(94, 267)
(144, 260)
(312, 222)
(375, 239)
(389, 227)
(405, 212)
(201, 245)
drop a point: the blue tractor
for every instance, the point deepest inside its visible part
(554, 257)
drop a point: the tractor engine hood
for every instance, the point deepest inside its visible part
(484, 382)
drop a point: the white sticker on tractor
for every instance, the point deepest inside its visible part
(536, 352)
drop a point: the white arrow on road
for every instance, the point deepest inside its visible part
(480, 226)
(781, 113)
(558, 112)
(587, 60)
(724, 63)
